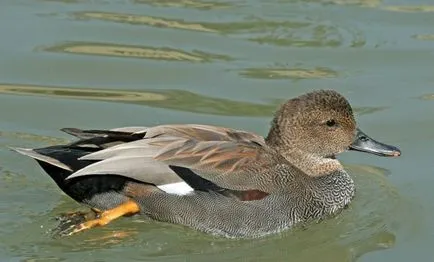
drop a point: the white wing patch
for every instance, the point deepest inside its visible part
(179, 188)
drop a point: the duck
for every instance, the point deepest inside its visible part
(221, 181)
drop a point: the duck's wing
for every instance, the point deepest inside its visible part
(203, 133)
(193, 131)
(219, 158)
(127, 151)
(235, 165)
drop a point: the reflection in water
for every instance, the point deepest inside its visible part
(179, 100)
(197, 4)
(289, 73)
(144, 52)
(281, 33)
(111, 237)
(410, 8)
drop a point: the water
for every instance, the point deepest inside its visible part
(104, 64)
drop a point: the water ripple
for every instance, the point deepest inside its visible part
(410, 8)
(170, 99)
(289, 73)
(179, 100)
(22, 136)
(427, 97)
(130, 51)
(425, 37)
(194, 4)
(365, 227)
(312, 35)
(362, 3)
(302, 33)
(144, 20)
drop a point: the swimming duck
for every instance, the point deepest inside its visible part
(217, 180)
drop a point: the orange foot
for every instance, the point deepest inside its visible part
(73, 226)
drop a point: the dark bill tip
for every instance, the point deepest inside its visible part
(364, 143)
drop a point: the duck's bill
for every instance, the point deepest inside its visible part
(364, 143)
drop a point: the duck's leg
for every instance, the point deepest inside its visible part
(128, 208)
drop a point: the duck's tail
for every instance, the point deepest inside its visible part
(60, 161)
(57, 161)
(41, 157)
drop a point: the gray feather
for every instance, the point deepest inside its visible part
(140, 168)
(143, 148)
(124, 151)
(29, 152)
(131, 129)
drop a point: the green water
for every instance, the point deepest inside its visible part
(104, 64)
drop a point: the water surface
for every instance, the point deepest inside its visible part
(105, 64)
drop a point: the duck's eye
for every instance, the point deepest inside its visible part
(331, 123)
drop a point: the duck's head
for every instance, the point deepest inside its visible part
(321, 124)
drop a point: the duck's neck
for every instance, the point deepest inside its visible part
(331, 186)
(310, 164)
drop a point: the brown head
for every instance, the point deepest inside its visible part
(320, 123)
(315, 127)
